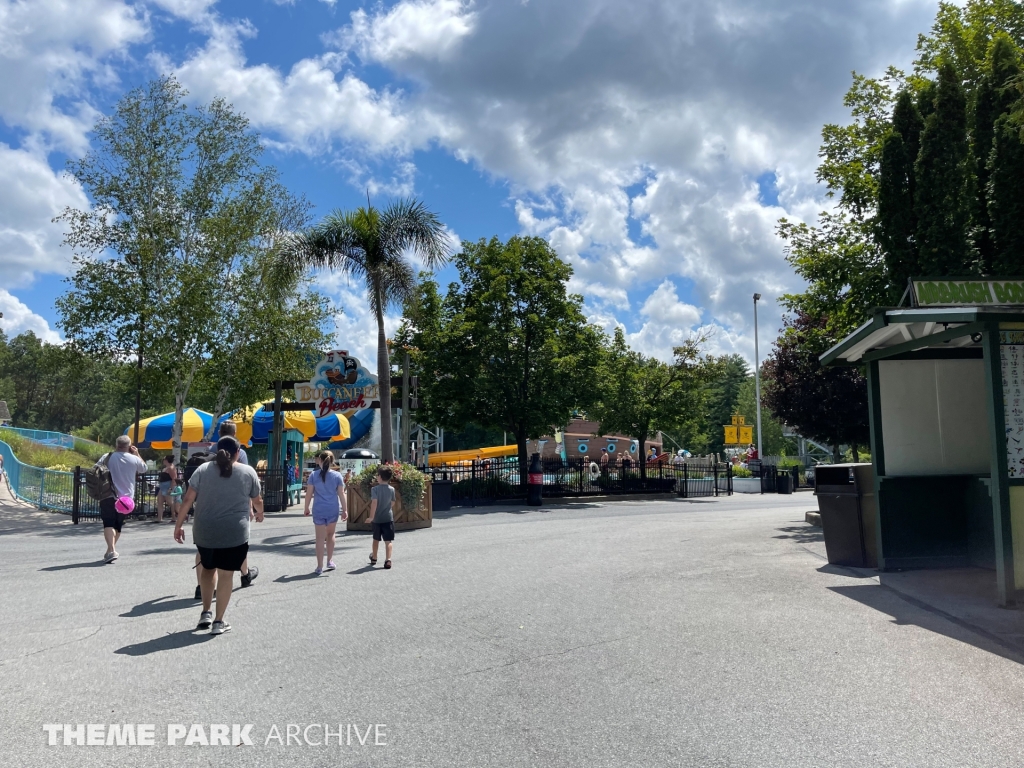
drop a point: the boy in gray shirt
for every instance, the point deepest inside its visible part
(382, 518)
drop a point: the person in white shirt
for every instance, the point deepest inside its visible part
(124, 464)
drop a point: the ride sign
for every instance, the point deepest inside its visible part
(340, 384)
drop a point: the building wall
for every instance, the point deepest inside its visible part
(582, 432)
(934, 417)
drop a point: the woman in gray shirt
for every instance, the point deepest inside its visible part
(222, 491)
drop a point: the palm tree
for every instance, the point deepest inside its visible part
(373, 244)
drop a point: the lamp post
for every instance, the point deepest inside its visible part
(757, 378)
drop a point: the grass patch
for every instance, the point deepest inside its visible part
(36, 455)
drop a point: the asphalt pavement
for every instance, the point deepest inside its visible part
(635, 633)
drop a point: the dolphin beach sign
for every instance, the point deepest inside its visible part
(970, 292)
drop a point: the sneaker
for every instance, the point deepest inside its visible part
(220, 627)
(248, 577)
(205, 620)
(331, 566)
(110, 557)
(318, 571)
(199, 592)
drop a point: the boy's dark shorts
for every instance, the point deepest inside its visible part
(383, 531)
(223, 558)
(109, 515)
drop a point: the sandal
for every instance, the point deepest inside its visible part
(373, 560)
(387, 564)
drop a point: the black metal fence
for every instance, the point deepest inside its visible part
(489, 481)
(147, 488)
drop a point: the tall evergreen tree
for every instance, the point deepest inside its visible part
(896, 228)
(1006, 199)
(994, 98)
(943, 198)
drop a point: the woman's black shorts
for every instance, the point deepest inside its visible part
(223, 558)
(383, 531)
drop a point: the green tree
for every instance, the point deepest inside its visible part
(642, 395)
(773, 443)
(994, 98)
(943, 191)
(509, 348)
(1006, 200)
(372, 244)
(181, 204)
(723, 399)
(896, 228)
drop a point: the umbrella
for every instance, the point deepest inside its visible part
(158, 430)
(255, 423)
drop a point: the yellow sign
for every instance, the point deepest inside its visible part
(746, 435)
(738, 421)
(730, 435)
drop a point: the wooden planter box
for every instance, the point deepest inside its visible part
(359, 510)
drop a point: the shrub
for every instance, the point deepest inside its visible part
(741, 472)
(410, 481)
(36, 455)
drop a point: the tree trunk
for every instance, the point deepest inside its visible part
(179, 410)
(387, 451)
(836, 458)
(642, 450)
(856, 454)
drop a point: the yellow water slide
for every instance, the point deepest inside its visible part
(454, 457)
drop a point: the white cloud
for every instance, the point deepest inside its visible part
(31, 194)
(421, 29)
(18, 318)
(308, 108)
(54, 49)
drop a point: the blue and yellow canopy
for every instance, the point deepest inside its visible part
(158, 431)
(253, 425)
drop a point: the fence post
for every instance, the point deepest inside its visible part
(686, 480)
(472, 483)
(728, 478)
(42, 486)
(76, 495)
(714, 473)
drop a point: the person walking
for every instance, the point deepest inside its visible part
(224, 493)
(124, 464)
(382, 497)
(325, 492)
(168, 481)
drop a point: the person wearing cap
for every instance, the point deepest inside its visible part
(124, 464)
(224, 493)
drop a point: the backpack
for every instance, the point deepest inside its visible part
(97, 480)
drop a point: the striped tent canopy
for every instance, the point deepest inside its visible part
(254, 425)
(157, 431)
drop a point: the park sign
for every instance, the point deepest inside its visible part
(971, 292)
(340, 384)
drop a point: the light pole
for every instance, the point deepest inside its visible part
(757, 378)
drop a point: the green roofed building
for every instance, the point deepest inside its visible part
(946, 398)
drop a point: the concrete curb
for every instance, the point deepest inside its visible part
(813, 518)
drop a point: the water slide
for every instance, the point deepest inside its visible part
(453, 457)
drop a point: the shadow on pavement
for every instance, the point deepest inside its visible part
(183, 639)
(69, 566)
(159, 605)
(365, 569)
(907, 610)
(300, 577)
(802, 534)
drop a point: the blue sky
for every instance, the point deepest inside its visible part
(654, 147)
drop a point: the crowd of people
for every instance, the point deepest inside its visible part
(223, 495)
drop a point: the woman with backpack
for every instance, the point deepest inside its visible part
(325, 492)
(223, 492)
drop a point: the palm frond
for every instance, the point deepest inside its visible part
(407, 224)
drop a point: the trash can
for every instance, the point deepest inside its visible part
(441, 495)
(846, 502)
(784, 483)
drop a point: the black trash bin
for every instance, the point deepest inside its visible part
(846, 501)
(784, 483)
(441, 495)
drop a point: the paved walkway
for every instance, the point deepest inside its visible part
(673, 633)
